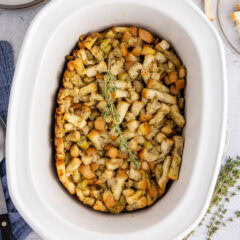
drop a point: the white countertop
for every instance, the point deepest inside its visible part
(13, 26)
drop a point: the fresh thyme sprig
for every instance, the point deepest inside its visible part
(108, 89)
(224, 190)
(227, 179)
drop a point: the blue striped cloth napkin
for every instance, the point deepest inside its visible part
(19, 227)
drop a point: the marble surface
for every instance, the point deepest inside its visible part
(13, 26)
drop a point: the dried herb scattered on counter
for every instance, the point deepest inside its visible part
(226, 188)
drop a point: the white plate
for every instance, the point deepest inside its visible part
(32, 179)
(228, 26)
(13, 4)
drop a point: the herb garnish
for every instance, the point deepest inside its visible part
(108, 89)
(224, 190)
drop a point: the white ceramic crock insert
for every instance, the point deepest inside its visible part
(32, 180)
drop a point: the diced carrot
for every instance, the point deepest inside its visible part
(147, 128)
(137, 51)
(172, 76)
(133, 31)
(126, 36)
(99, 124)
(112, 152)
(91, 151)
(145, 117)
(180, 84)
(145, 93)
(124, 50)
(145, 35)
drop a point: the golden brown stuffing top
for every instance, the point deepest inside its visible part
(119, 120)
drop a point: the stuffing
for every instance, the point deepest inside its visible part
(135, 70)
(177, 157)
(119, 119)
(176, 116)
(137, 107)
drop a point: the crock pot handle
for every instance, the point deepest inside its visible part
(5, 227)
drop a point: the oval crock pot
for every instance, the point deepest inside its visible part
(33, 184)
